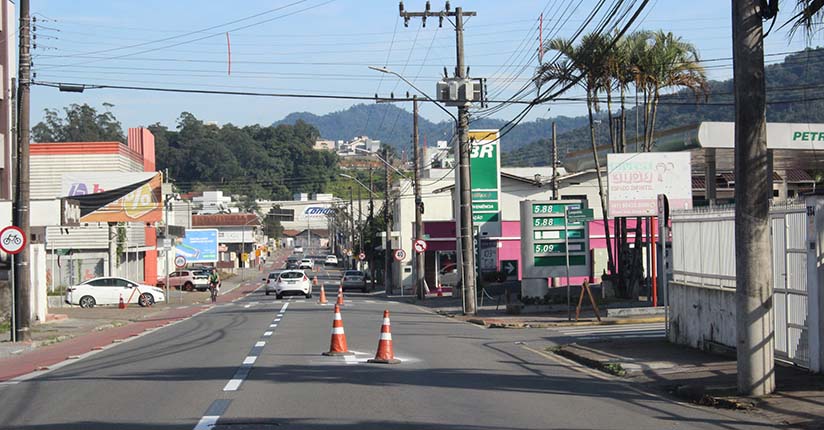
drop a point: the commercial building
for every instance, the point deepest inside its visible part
(237, 234)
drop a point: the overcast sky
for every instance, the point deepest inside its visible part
(321, 47)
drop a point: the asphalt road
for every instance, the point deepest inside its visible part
(257, 364)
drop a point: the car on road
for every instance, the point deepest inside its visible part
(331, 260)
(306, 263)
(271, 281)
(354, 280)
(293, 283)
(298, 250)
(187, 280)
(292, 262)
(448, 275)
(108, 290)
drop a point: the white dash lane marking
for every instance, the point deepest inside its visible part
(273, 325)
(248, 306)
(267, 334)
(232, 385)
(207, 422)
(276, 320)
(283, 309)
(250, 359)
(260, 344)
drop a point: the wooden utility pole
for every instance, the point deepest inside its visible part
(554, 164)
(387, 249)
(419, 263)
(22, 275)
(755, 333)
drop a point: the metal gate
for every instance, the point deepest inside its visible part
(788, 233)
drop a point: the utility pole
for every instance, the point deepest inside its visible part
(22, 276)
(370, 222)
(419, 263)
(755, 344)
(387, 248)
(554, 164)
(351, 231)
(360, 224)
(464, 194)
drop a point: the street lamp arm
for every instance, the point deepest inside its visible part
(391, 72)
(359, 182)
(382, 160)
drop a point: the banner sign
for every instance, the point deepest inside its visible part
(116, 197)
(635, 181)
(485, 179)
(199, 246)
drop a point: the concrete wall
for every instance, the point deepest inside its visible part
(701, 316)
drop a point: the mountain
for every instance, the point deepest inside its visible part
(393, 125)
(792, 96)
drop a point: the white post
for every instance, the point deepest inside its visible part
(566, 253)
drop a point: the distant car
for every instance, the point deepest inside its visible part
(354, 280)
(331, 260)
(109, 290)
(187, 280)
(271, 281)
(306, 263)
(448, 275)
(298, 250)
(293, 283)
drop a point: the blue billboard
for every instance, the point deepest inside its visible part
(198, 246)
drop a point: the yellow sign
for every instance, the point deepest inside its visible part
(244, 256)
(257, 253)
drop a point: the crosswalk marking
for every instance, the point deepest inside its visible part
(650, 330)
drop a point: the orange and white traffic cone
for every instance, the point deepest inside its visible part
(385, 354)
(340, 295)
(322, 299)
(440, 290)
(338, 344)
(121, 304)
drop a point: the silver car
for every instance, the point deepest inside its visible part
(354, 280)
(271, 281)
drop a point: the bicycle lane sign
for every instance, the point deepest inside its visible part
(12, 239)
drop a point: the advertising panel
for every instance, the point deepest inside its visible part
(199, 246)
(485, 175)
(116, 197)
(635, 180)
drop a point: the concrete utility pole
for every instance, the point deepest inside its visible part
(464, 147)
(554, 164)
(352, 231)
(22, 275)
(387, 249)
(360, 224)
(419, 263)
(755, 333)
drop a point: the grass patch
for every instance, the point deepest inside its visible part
(554, 349)
(613, 369)
(58, 291)
(5, 326)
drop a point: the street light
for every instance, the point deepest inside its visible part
(356, 180)
(382, 160)
(391, 72)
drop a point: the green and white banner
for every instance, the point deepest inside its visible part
(485, 169)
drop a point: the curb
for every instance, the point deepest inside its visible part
(494, 323)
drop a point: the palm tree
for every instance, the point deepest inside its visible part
(583, 65)
(665, 61)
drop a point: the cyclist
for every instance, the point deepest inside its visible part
(214, 285)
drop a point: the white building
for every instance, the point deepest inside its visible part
(212, 202)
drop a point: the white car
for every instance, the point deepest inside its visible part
(109, 290)
(298, 250)
(271, 281)
(331, 260)
(306, 263)
(293, 283)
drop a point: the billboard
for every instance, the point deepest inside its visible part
(115, 197)
(635, 180)
(199, 246)
(485, 179)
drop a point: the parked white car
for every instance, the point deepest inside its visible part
(293, 283)
(306, 263)
(108, 290)
(331, 260)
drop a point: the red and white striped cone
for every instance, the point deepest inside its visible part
(440, 290)
(338, 343)
(385, 354)
(340, 294)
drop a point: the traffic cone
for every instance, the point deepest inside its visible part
(340, 295)
(385, 354)
(338, 344)
(440, 290)
(322, 299)
(121, 304)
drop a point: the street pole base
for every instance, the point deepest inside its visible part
(381, 361)
(337, 354)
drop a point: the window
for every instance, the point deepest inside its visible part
(291, 275)
(273, 275)
(118, 282)
(102, 282)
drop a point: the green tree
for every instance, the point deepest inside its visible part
(80, 123)
(271, 224)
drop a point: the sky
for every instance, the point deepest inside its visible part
(325, 47)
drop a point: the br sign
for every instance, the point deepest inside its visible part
(485, 172)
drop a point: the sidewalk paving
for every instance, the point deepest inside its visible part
(89, 329)
(703, 378)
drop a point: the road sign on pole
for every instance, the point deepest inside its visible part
(361, 256)
(180, 261)
(12, 240)
(510, 267)
(420, 246)
(399, 254)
